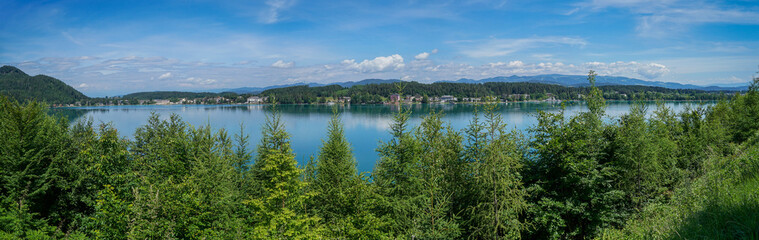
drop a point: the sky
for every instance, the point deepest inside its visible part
(107, 48)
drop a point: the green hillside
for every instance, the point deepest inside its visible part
(17, 85)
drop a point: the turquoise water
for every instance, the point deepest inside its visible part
(365, 125)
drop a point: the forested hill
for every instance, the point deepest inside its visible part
(17, 85)
(373, 93)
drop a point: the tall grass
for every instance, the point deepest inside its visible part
(721, 204)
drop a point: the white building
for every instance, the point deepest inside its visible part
(256, 99)
(447, 98)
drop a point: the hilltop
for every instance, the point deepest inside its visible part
(17, 85)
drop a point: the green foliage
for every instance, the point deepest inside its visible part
(341, 195)
(32, 153)
(570, 179)
(396, 174)
(721, 204)
(666, 176)
(21, 87)
(644, 154)
(375, 93)
(441, 147)
(498, 200)
(276, 209)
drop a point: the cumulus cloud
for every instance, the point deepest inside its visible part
(425, 55)
(652, 70)
(511, 64)
(165, 75)
(645, 70)
(283, 64)
(83, 85)
(378, 64)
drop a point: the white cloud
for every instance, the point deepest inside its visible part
(503, 47)
(630, 69)
(165, 75)
(194, 82)
(511, 64)
(283, 64)
(378, 64)
(652, 70)
(425, 55)
(127, 75)
(422, 56)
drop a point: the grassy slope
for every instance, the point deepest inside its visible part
(721, 204)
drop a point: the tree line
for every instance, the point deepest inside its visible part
(511, 91)
(576, 177)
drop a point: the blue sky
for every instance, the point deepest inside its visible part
(117, 47)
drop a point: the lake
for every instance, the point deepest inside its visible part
(365, 125)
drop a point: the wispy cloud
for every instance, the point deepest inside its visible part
(72, 39)
(502, 47)
(272, 14)
(662, 18)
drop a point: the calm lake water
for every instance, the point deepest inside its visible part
(365, 125)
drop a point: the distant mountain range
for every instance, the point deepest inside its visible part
(17, 85)
(580, 80)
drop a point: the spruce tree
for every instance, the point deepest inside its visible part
(341, 196)
(336, 173)
(498, 199)
(277, 210)
(434, 218)
(397, 174)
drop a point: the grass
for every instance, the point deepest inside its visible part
(721, 204)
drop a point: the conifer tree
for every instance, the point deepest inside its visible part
(336, 172)
(434, 219)
(32, 153)
(571, 179)
(397, 174)
(277, 212)
(498, 199)
(341, 196)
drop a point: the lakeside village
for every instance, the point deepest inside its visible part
(255, 99)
